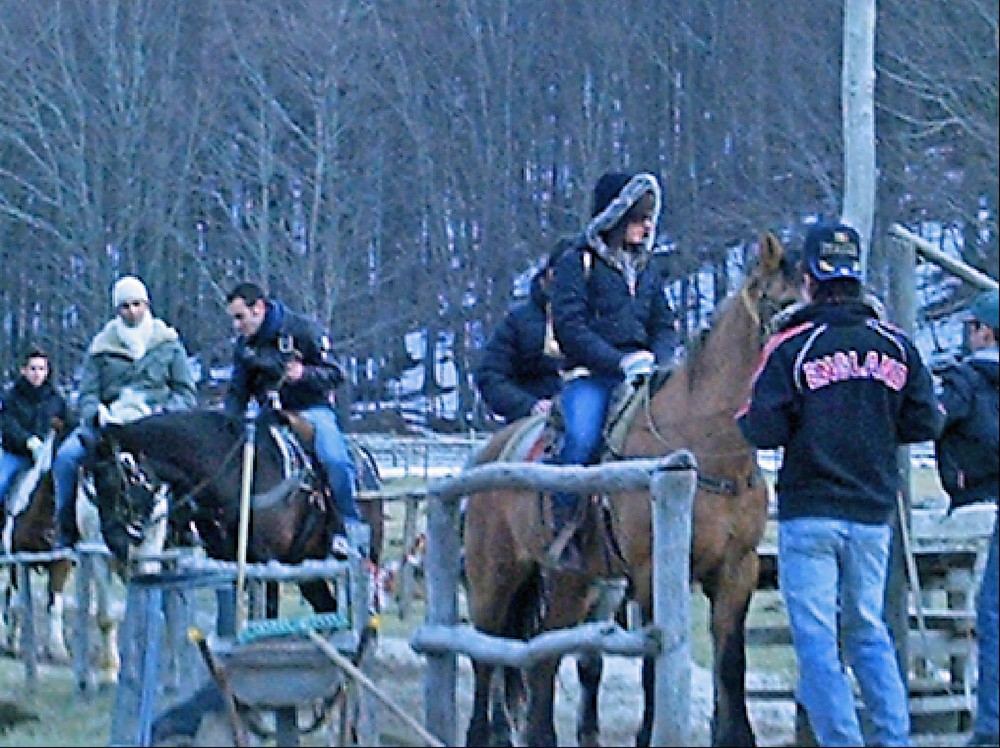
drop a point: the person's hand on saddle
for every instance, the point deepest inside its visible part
(543, 406)
(34, 445)
(637, 365)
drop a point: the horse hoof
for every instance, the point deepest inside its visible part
(58, 656)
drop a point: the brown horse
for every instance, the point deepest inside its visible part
(32, 530)
(512, 592)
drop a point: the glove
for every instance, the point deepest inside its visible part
(637, 365)
(269, 366)
(34, 445)
(541, 406)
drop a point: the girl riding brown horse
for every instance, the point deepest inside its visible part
(513, 592)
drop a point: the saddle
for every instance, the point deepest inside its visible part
(538, 438)
(303, 470)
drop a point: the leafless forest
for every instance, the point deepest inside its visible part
(391, 165)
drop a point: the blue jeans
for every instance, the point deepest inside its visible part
(65, 469)
(331, 449)
(832, 575)
(11, 466)
(988, 643)
(584, 402)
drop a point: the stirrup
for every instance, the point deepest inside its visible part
(340, 548)
(564, 552)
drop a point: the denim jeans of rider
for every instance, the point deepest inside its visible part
(988, 644)
(65, 469)
(832, 575)
(11, 466)
(332, 451)
(584, 403)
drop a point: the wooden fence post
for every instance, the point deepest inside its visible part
(441, 572)
(673, 494)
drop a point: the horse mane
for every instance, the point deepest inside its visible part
(695, 355)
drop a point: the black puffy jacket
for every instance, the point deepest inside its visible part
(598, 318)
(967, 450)
(28, 411)
(514, 371)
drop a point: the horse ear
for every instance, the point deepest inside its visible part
(771, 252)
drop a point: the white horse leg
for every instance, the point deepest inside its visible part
(55, 640)
(108, 662)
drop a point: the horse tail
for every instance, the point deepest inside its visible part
(527, 609)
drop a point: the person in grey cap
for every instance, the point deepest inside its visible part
(611, 319)
(969, 471)
(136, 365)
(840, 389)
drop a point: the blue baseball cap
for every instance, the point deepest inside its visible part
(833, 251)
(985, 308)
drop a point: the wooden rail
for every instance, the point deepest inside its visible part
(672, 482)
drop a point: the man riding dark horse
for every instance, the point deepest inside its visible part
(282, 355)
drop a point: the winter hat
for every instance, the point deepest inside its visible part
(607, 189)
(129, 289)
(833, 251)
(985, 308)
(614, 194)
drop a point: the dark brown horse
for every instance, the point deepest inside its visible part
(513, 593)
(194, 460)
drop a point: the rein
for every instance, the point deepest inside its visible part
(765, 327)
(713, 484)
(187, 501)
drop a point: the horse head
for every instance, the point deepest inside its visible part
(131, 499)
(773, 287)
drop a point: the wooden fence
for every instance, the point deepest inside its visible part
(87, 557)
(672, 482)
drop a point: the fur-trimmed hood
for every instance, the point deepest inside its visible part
(606, 218)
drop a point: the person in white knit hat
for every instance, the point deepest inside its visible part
(136, 365)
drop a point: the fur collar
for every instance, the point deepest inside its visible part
(110, 339)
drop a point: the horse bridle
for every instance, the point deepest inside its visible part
(128, 513)
(768, 315)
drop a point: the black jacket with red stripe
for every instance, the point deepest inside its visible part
(840, 390)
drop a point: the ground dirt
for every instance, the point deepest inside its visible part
(399, 671)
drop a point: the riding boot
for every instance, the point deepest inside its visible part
(570, 556)
(66, 530)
